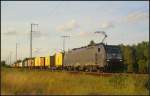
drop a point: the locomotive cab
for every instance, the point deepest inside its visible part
(114, 60)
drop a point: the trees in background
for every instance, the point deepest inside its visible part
(136, 57)
(128, 55)
(142, 56)
(91, 43)
(3, 64)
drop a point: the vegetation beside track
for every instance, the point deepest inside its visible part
(44, 82)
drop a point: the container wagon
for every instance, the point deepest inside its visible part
(12, 65)
(25, 63)
(42, 62)
(59, 60)
(47, 62)
(20, 64)
(37, 62)
(30, 62)
(52, 62)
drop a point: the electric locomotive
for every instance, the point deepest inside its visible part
(97, 57)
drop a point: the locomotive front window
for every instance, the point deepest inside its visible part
(113, 50)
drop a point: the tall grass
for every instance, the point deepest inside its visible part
(23, 81)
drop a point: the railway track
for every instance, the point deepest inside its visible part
(105, 74)
(92, 73)
(96, 73)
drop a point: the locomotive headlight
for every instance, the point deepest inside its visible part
(108, 60)
(120, 59)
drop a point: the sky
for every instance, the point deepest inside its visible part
(124, 22)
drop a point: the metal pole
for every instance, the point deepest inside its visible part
(64, 44)
(63, 51)
(31, 42)
(10, 58)
(16, 51)
(6, 60)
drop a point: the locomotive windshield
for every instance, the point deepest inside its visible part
(113, 52)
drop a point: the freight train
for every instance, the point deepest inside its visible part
(97, 57)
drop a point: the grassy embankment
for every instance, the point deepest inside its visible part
(22, 81)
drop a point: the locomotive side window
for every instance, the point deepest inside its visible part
(99, 49)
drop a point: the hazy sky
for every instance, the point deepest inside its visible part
(124, 22)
